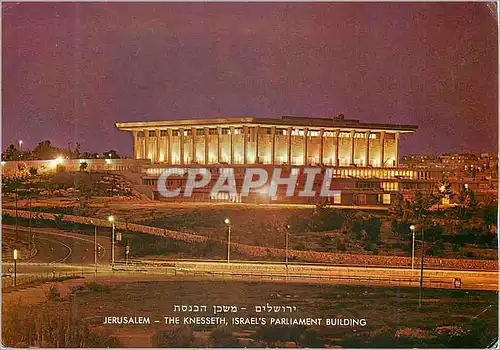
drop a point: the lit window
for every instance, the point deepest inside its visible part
(386, 198)
(337, 197)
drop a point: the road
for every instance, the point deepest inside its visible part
(55, 246)
(311, 273)
(65, 251)
(58, 250)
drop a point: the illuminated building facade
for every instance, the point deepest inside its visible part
(268, 141)
(364, 156)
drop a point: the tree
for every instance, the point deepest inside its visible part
(33, 171)
(414, 207)
(111, 154)
(83, 166)
(77, 151)
(467, 203)
(11, 153)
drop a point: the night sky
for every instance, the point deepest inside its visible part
(71, 70)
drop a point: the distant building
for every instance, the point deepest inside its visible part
(477, 172)
(51, 165)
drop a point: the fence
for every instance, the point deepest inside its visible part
(22, 280)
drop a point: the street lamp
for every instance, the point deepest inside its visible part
(112, 220)
(412, 228)
(20, 145)
(228, 223)
(15, 266)
(95, 246)
(421, 271)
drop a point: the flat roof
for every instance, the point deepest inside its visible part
(282, 121)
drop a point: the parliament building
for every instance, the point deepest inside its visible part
(363, 156)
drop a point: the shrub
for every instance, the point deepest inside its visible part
(341, 246)
(469, 254)
(58, 220)
(34, 326)
(221, 338)
(180, 337)
(300, 246)
(60, 168)
(96, 287)
(53, 293)
(361, 224)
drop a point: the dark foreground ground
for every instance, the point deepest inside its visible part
(449, 318)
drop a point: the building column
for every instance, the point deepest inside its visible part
(256, 130)
(146, 144)
(352, 147)
(273, 144)
(134, 137)
(157, 145)
(367, 152)
(169, 146)
(337, 134)
(207, 144)
(219, 130)
(181, 144)
(382, 150)
(289, 145)
(193, 150)
(321, 146)
(231, 145)
(245, 143)
(396, 140)
(306, 131)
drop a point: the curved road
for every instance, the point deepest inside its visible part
(56, 246)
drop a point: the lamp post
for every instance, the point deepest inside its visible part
(412, 228)
(95, 247)
(228, 223)
(421, 271)
(112, 220)
(15, 266)
(20, 145)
